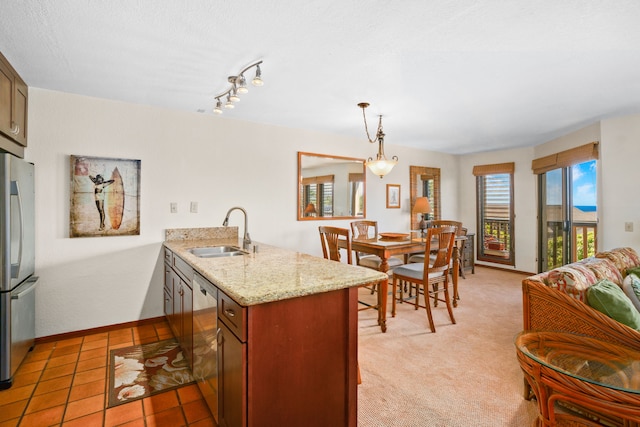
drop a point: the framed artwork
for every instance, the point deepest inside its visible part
(105, 197)
(393, 196)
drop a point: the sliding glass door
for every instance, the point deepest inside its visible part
(568, 215)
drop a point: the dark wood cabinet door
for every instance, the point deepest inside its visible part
(168, 293)
(232, 371)
(6, 98)
(20, 97)
(13, 109)
(187, 323)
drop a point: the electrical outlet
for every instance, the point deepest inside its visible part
(628, 226)
(194, 207)
(174, 207)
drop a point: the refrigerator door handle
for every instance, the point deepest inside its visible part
(15, 191)
(30, 285)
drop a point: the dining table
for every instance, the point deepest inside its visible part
(387, 245)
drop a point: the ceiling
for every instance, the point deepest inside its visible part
(456, 76)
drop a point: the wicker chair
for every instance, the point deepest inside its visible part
(432, 272)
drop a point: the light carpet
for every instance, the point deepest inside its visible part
(463, 375)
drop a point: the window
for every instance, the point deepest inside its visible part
(318, 191)
(567, 209)
(494, 191)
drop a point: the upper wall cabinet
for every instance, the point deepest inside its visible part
(13, 109)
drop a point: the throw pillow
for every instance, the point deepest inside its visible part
(634, 270)
(631, 288)
(608, 298)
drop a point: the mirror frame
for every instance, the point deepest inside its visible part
(300, 208)
(414, 173)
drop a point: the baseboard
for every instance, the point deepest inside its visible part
(527, 273)
(81, 333)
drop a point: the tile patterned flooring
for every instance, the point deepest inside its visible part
(63, 383)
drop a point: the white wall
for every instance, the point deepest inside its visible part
(619, 179)
(216, 161)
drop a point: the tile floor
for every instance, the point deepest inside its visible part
(63, 383)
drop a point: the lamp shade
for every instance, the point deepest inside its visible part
(381, 167)
(310, 209)
(422, 205)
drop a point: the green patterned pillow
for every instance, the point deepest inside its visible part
(634, 270)
(608, 298)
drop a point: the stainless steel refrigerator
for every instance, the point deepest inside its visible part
(17, 264)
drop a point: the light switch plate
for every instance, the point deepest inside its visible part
(174, 207)
(194, 207)
(628, 226)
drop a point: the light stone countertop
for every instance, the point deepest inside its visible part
(270, 274)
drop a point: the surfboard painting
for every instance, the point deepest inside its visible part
(115, 200)
(105, 197)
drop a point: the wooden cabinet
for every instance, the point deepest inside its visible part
(468, 259)
(13, 109)
(178, 278)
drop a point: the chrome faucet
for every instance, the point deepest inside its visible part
(246, 240)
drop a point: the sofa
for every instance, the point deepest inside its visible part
(558, 301)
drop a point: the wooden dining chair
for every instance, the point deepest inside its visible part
(460, 231)
(329, 237)
(367, 229)
(427, 276)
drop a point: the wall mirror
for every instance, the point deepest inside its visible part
(424, 182)
(330, 187)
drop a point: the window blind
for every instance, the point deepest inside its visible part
(566, 158)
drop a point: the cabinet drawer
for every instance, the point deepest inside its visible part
(233, 315)
(183, 269)
(168, 256)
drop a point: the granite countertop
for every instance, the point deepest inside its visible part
(270, 274)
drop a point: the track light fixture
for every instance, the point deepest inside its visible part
(238, 86)
(380, 166)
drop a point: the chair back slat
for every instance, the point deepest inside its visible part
(449, 223)
(445, 237)
(364, 229)
(329, 238)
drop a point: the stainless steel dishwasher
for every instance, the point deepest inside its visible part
(205, 345)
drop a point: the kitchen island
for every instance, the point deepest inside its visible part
(286, 332)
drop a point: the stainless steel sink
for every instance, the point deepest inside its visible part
(216, 251)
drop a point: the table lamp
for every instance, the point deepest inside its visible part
(310, 210)
(423, 207)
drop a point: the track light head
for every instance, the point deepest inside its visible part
(218, 109)
(257, 80)
(241, 83)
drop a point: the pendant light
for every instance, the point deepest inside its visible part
(381, 165)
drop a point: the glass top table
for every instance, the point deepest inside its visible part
(602, 378)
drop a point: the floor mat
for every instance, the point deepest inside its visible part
(143, 370)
